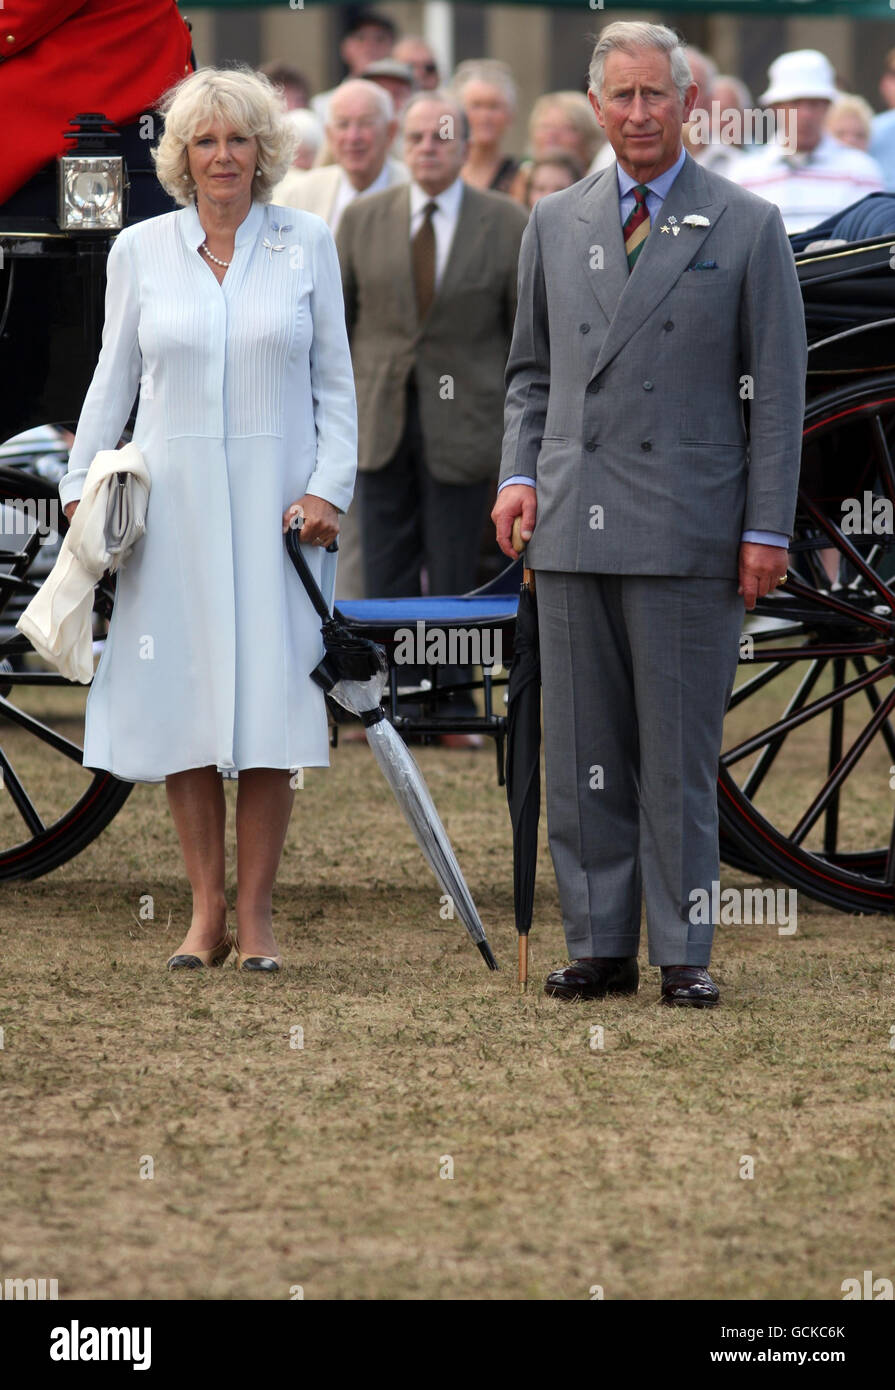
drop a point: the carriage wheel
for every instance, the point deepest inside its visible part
(806, 785)
(51, 807)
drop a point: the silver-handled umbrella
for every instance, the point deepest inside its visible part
(354, 673)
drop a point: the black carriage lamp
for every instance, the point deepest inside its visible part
(91, 177)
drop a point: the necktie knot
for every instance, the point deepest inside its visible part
(640, 192)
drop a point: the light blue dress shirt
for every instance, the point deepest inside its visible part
(657, 192)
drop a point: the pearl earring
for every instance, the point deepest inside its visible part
(258, 170)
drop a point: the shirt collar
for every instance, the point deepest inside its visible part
(246, 232)
(659, 185)
(379, 184)
(448, 200)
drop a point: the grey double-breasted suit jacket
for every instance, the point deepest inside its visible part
(627, 394)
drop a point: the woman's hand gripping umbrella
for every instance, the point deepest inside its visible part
(354, 673)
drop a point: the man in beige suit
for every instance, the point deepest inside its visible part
(360, 128)
(429, 279)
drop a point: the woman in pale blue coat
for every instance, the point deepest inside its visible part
(228, 316)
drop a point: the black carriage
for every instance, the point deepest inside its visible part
(810, 723)
(806, 783)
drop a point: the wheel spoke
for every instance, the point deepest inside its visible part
(777, 634)
(764, 763)
(834, 757)
(827, 600)
(887, 731)
(844, 545)
(787, 655)
(792, 721)
(883, 455)
(754, 684)
(889, 871)
(831, 786)
(20, 798)
(41, 731)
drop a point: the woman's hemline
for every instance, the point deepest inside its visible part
(228, 773)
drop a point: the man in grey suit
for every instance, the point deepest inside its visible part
(655, 299)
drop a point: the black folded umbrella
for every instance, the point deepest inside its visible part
(354, 672)
(523, 765)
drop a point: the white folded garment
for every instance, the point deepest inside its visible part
(109, 520)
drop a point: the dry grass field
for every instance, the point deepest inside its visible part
(321, 1165)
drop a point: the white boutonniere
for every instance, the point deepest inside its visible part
(694, 219)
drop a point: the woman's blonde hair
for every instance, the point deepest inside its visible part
(851, 105)
(578, 111)
(246, 99)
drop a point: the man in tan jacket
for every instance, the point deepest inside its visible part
(429, 279)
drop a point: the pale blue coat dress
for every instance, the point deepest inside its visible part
(246, 403)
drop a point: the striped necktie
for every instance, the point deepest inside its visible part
(636, 228)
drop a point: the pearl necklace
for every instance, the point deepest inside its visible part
(204, 247)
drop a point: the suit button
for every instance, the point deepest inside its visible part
(593, 386)
(646, 445)
(668, 325)
(647, 386)
(591, 445)
(584, 328)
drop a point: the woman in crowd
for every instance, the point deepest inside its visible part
(561, 121)
(849, 120)
(550, 174)
(487, 93)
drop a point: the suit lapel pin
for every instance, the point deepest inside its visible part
(670, 226)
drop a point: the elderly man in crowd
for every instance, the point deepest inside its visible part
(370, 35)
(360, 130)
(807, 173)
(420, 58)
(429, 279)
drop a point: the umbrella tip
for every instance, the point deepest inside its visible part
(488, 955)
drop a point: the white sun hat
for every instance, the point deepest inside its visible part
(804, 74)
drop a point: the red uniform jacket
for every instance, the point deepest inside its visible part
(61, 57)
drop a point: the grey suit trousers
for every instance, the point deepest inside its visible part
(637, 671)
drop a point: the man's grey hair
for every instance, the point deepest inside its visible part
(377, 96)
(448, 100)
(627, 36)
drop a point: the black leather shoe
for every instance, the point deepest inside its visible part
(689, 985)
(593, 977)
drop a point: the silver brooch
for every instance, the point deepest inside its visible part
(280, 245)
